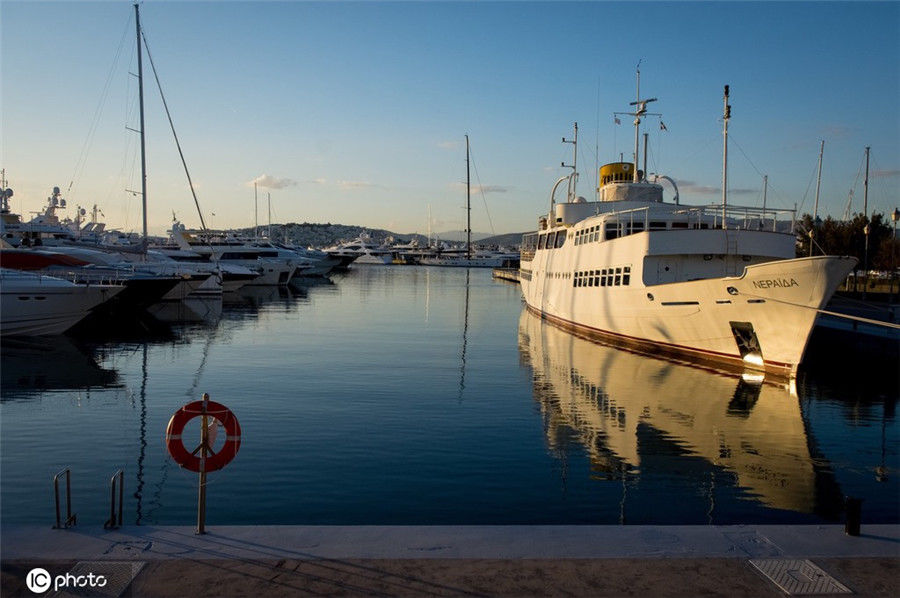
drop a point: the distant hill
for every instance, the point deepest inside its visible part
(308, 234)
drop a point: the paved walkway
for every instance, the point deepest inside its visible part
(456, 560)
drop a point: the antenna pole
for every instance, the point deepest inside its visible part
(269, 200)
(137, 25)
(726, 116)
(255, 212)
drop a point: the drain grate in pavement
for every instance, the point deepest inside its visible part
(799, 577)
(86, 577)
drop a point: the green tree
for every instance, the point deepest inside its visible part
(837, 237)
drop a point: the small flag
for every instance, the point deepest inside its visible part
(662, 126)
(618, 122)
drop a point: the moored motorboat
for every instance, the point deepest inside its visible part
(33, 304)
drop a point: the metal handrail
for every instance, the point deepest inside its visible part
(115, 518)
(70, 517)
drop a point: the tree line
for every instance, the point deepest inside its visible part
(840, 237)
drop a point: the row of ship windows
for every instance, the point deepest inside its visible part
(607, 277)
(607, 232)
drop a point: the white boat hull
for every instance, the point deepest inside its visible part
(774, 302)
(462, 262)
(42, 305)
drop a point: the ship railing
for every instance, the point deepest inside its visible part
(741, 217)
(707, 217)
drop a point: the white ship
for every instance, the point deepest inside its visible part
(714, 282)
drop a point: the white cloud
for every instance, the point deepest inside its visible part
(489, 189)
(355, 184)
(483, 188)
(269, 182)
(692, 187)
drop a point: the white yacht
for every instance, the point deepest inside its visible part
(272, 269)
(714, 282)
(31, 304)
(361, 251)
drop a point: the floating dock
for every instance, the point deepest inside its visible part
(510, 274)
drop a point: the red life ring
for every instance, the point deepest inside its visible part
(191, 461)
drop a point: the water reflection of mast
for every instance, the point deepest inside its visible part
(192, 392)
(138, 493)
(462, 367)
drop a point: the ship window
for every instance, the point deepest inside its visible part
(704, 225)
(590, 280)
(596, 278)
(561, 238)
(618, 276)
(603, 278)
(626, 275)
(679, 225)
(612, 230)
(542, 240)
(637, 227)
(657, 225)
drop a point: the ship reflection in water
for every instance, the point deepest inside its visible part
(31, 365)
(640, 417)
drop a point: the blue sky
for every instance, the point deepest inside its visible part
(357, 111)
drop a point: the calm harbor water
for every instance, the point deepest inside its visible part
(413, 395)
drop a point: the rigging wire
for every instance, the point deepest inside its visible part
(481, 190)
(808, 185)
(884, 202)
(81, 162)
(174, 134)
(853, 190)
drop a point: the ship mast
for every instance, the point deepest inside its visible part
(468, 205)
(639, 111)
(726, 116)
(137, 24)
(573, 178)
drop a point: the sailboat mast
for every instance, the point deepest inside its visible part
(866, 228)
(816, 208)
(137, 24)
(468, 205)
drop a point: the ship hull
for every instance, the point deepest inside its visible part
(759, 320)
